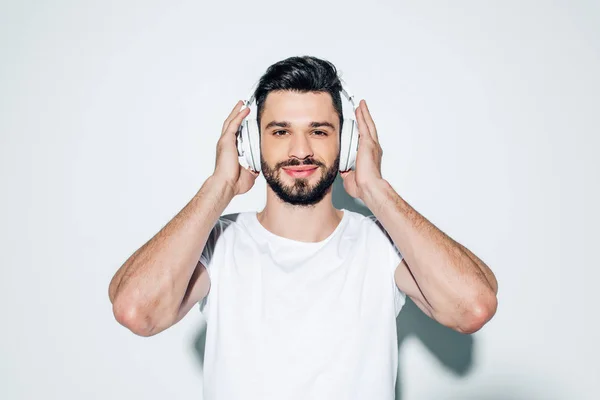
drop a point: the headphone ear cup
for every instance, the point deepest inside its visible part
(241, 144)
(348, 145)
(353, 145)
(244, 146)
(253, 154)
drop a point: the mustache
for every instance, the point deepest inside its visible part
(293, 162)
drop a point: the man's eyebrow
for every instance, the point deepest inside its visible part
(319, 124)
(281, 124)
(287, 124)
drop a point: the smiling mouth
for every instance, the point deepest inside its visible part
(300, 171)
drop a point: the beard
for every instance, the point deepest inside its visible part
(300, 193)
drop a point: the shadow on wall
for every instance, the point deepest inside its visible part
(453, 349)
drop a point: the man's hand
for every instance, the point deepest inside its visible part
(227, 167)
(368, 158)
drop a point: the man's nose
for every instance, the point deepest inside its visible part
(300, 147)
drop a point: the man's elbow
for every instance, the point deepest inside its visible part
(132, 319)
(480, 314)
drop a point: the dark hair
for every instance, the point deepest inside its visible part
(300, 74)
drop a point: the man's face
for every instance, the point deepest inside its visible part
(300, 145)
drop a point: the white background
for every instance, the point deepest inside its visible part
(488, 114)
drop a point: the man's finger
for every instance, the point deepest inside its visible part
(232, 115)
(370, 122)
(363, 129)
(235, 123)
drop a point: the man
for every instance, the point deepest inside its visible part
(300, 298)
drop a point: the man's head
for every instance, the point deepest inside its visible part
(299, 114)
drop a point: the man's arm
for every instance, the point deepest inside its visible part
(162, 280)
(448, 282)
(148, 290)
(445, 279)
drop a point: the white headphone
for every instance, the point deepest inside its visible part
(248, 137)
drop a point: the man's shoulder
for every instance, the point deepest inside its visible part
(368, 224)
(228, 221)
(237, 219)
(362, 219)
(230, 218)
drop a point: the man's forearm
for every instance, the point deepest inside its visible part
(453, 280)
(150, 285)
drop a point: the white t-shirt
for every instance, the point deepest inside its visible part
(295, 320)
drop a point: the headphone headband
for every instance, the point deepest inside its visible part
(345, 92)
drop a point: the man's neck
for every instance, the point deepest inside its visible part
(301, 223)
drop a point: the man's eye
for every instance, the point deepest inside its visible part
(277, 133)
(320, 133)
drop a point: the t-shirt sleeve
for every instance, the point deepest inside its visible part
(211, 242)
(395, 257)
(206, 257)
